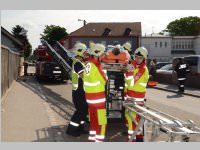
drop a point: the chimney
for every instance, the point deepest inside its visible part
(84, 22)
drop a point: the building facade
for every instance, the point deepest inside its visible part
(165, 48)
(158, 46)
(161, 47)
(106, 33)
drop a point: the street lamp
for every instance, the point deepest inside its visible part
(84, 21)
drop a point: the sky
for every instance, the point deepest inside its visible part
(35, 20)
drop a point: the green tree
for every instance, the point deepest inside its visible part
(21, 34)
(53, 33)
(187, 26)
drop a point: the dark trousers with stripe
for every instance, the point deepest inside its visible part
(181, 85)
(81, 111)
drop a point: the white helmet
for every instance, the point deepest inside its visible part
(97, 49)
(79, 49)
(141, 51)
(127, 46)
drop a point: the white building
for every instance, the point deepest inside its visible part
(159, 46)
(164, 48)
(197, 45)
(182, 45)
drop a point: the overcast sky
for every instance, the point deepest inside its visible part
(35, 20)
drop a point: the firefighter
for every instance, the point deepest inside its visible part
(181, 69)
(94, 85)
(76, 125)
(136, 82)
(127, 47)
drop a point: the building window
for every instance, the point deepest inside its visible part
(186, 45)
(179, 45)
(182, 45)
(156, 44)
(160, 44)
(176, 45)
(165, 44)
(191, 44)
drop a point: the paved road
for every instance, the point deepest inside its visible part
(183, 107)
(52, 104)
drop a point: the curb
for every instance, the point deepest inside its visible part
(164, 89)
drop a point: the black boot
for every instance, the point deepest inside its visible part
(73, 131)
(82, 129)
(139, 138)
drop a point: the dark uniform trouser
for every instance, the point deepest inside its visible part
(181, 85)
(80, 115)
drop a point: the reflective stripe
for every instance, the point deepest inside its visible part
(136, 99)
(129, 78)
(120, 87)
(181, 78)
(75, 85)
(101, 137)
(80, 71)
(92, 132)
(74, 124)
(91, 138)
(92, 84)
(181, 85)
(143, 84)
(98, 141)
(130, 132)
(82, 122)
(129, 137)
(96, 101)
(132, 82)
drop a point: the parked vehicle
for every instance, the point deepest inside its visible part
(194, 63)
(46, 67)
(161, 64)
(166, 69)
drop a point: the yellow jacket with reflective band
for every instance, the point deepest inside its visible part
(75, 76)
(140, 84)
(93, 80)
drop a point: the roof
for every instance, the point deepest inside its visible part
(156, 35)
(117, 29)
(10, 36)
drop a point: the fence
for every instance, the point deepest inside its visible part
(10, 62)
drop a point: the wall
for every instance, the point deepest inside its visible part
(10, 62)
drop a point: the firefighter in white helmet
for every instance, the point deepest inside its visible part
(94, 85)
(136, 81)
(127, 47)
(76, 125)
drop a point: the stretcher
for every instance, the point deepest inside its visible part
(159, 122)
